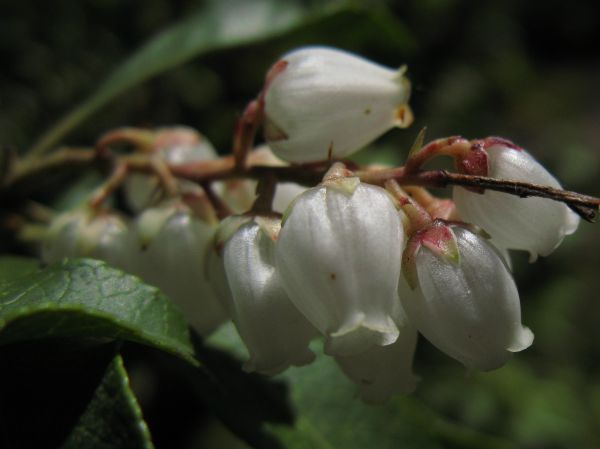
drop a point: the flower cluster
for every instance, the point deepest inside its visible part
(364, 266)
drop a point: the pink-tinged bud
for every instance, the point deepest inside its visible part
(338, 256)
(330, 103)
(167, 248)
(384, 371)
(176, 146)
(469, 308)
(537, 225)
(276, 334)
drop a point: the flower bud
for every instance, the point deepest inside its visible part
(338, 255)
(274, 331)
(383, 371)
(467, 306)
(176, 146)
(86, 233)
(167, 249)
(537, 225)
(325, 102)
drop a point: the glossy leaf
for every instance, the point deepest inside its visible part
(113, 418)
(87, 298)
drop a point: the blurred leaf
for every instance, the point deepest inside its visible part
(544, 409)
(222, 25)
(113, 418)
(329, 415)
(87, 298)
(12, 267)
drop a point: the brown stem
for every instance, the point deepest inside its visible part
(25, 177)
(165, 176)
(221, 209)
(309, 174)
(114, 182)
(584, 205)
(245, 131)
(265, 191)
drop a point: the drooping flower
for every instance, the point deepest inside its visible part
(167, 249)
(338, 258)
(537, 225)
(458, 292)
(383, 371)
(274, 331)
(86, 232)
(326, 102)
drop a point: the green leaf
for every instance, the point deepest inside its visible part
(113, 418)
(12, 267)
(329, 415)
(88, 298)
(226, 24)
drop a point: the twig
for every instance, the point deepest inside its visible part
(584, 205)
(309, 174)
(26, 175)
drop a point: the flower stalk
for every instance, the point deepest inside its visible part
(23, 180)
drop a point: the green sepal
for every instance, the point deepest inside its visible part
(339, 178)
(418, 143)
(269, 225)
(409, 261)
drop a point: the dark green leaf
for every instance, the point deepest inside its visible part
(329, 415)
(87, 298)
(13, 267)
(113, 418)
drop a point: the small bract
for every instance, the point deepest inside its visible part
(537, 225)
(324, 102)
(466, 306)
(274, 331)
(338, 255)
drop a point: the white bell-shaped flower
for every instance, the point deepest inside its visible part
(323, 101)
(86, 233)
(274, 331)
(338, 255)
(467, 305)
(384, 371)
(537, 225)
(175, 146)
(167, 249)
